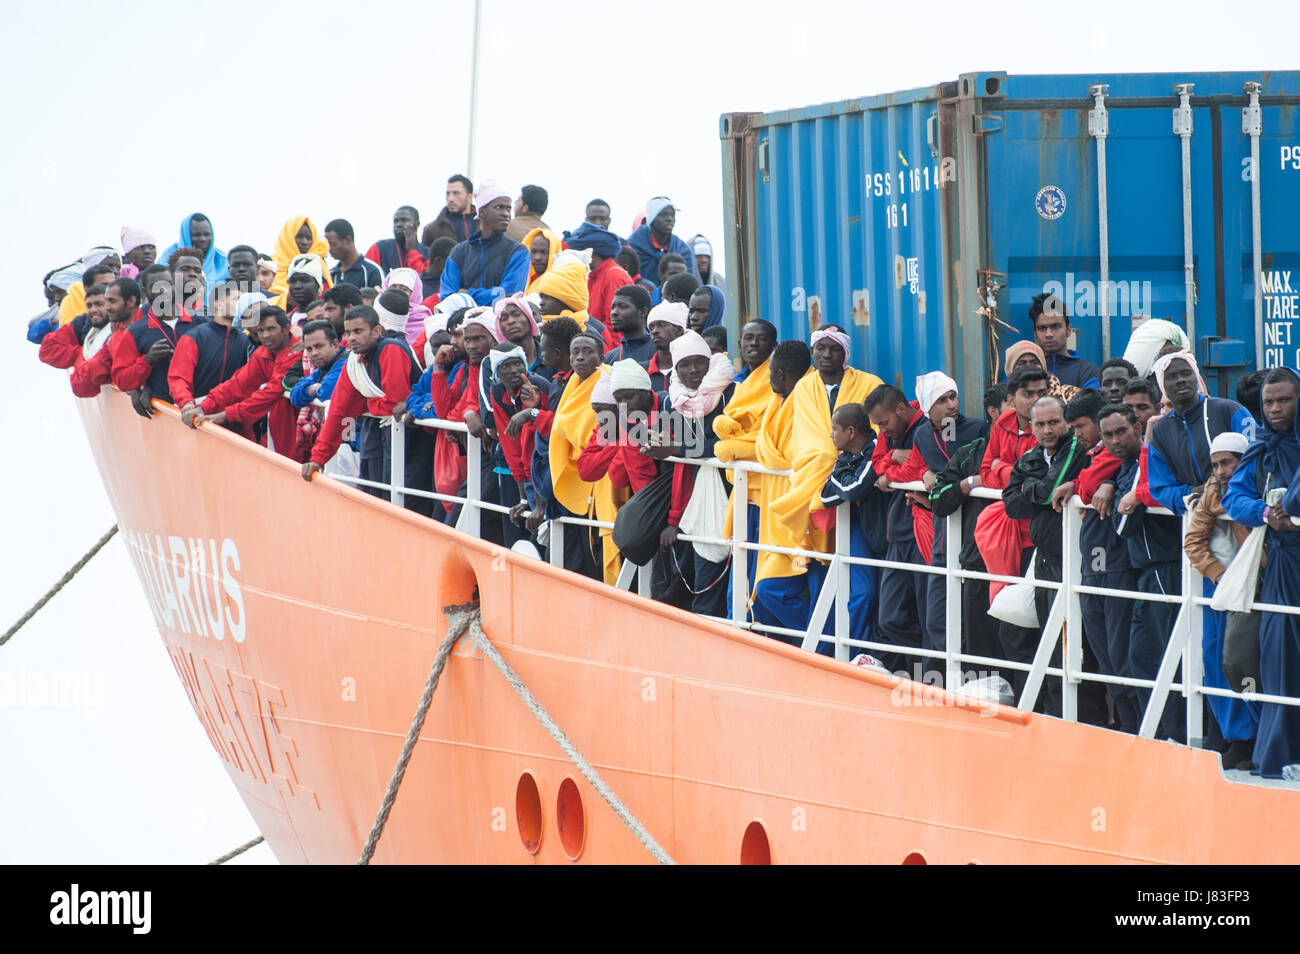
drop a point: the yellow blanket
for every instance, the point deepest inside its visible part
(575, 420)
(555, 242)
(737, 426)
(811, 453)
(286, 248)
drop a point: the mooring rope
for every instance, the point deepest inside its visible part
(63, 581)
(238, 851)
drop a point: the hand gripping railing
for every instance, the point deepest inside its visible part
(1064, 619)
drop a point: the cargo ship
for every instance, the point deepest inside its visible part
(725, 746)
(923, 221)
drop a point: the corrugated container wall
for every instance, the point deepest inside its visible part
(925, 221)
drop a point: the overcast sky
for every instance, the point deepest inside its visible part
(143, 113)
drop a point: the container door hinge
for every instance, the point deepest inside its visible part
(1098, 123)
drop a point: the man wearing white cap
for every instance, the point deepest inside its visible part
(139, 250)
(655, 239)
(305, 279)
(489, 263)
(666, 323)
(943, 433)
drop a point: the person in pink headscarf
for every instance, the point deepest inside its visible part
(408, 280)
(516, 324)
(139, 251)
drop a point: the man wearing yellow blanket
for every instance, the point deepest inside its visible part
(796, 518)
(738, 426)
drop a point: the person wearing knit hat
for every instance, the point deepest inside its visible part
(303, 283)
(666, 322)
(139, 251)
(514, 392)
(938, 439)
(655, 238)
(702, 248)
(515, 325)
(489, 263)
(1211, 541)
(606, 275)
(408, 280)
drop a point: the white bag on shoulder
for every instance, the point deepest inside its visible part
(1014, 604)
(1236, 589)
(706, 514)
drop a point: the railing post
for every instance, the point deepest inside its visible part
(739, 555)
(1193, 661)
(1072, 634)
(557, 541)
(470, 513)
(397, 462)
(645, 579)
(843, 548)
(952, 599)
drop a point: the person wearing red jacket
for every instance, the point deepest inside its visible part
(903, 594)
(377, 378)
(257, 389)
(142, 356)
(64, 347)
(511, 386)
(122, 306)
(1002, 541)
(606, 276)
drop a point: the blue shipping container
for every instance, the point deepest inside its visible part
(925, 221)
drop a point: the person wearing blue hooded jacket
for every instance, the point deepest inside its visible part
(1052, 334)
(1178, 460)
(707, 307)
(655, 239)
(320, 340)
(197, 232)
(489, 264)
(1273, 463)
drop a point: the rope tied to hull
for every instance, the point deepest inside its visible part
(467, 619)
(63, 581)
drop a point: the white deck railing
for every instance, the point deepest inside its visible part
(1183, 646)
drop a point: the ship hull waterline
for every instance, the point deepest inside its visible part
(303, 619)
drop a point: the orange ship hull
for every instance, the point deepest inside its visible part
(303, 621)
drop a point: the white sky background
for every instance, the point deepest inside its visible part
(253, 113)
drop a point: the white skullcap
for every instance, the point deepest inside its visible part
(673, 312)
(628, 375)
(1229, 441)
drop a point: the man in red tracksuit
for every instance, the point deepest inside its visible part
(377, 378)
(142, 356)
(257, 389)
(64, 347)
(122, 306)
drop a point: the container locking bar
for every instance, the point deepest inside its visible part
(1183, 129)
(1098, 126)
(1251, 125)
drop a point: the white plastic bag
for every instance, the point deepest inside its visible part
(1014, 604)
(706, 514)
(1236, 589)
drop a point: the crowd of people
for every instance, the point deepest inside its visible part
(594, 370)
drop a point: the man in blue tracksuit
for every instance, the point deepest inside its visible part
(489, 264)
(1052, 333)
(1178, 461)
(853, 481)
(655, 239)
